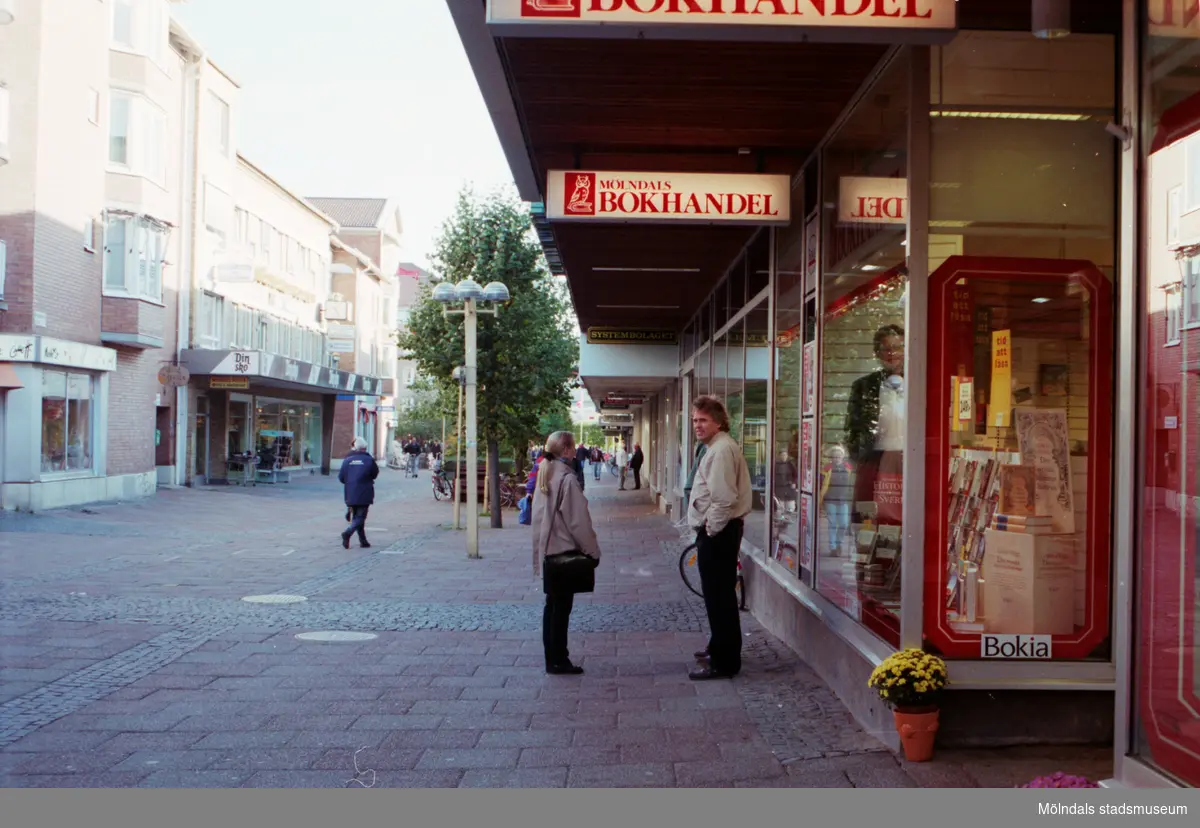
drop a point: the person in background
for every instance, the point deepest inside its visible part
(561, 523)
(597, 460)
(357, 477)
(635, 465)
(837, 496)
(622, 464)
(875, 427)
(721, 499)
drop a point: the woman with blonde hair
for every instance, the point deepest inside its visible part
(565, 549)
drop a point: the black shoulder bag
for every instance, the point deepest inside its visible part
(567, 573)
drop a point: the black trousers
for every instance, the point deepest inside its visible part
(555, 619)
(637, 477)
(717, 557)
(358, 523)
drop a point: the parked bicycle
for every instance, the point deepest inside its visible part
(443, 486)
(689, 566)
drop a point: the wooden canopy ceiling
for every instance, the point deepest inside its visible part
(661, 105)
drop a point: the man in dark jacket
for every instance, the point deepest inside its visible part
(357, 475)
(875, 421)
(635, 465)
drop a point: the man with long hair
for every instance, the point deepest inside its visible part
(721, 498)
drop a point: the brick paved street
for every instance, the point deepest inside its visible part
(128, 658)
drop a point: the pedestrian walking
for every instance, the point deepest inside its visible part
(721, 498)
(837, 495)
(597, 459)
(622, 461)
(565, 549)
(635, 465)
(357, 477)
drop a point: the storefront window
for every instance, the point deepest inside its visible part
(312, 436)
(1167, 649)
(789, 349)
(735, 379)
(1022, 213)
(241, 427)
(754, 419)
(66, 421)
(862, 426)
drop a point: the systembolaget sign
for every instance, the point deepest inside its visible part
(584, 195)
(855, 14)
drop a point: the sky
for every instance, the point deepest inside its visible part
(360, 98)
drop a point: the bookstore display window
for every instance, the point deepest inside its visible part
(1166, 732)
(754, 419)
(1019, 414)
(789, 347)
(859, 448)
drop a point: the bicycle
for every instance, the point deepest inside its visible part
(442, 485)
(511, 491)
(689, 568)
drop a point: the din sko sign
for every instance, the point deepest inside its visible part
(686, 198)
(780, 14)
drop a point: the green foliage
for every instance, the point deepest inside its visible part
(526, 353)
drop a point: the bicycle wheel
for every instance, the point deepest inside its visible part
(689, 569)
(438, 491)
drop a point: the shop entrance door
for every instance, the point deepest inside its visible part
(202, 439)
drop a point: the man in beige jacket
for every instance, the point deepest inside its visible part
(721, 498)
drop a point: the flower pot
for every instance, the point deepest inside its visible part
(917, 727)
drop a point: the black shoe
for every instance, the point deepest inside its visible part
(364, 545)
(708, 674)
(345, 542)
(565, 669)
(702, 653)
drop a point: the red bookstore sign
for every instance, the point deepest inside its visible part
(579, 195)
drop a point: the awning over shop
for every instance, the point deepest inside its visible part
(8, 377)
(277, 371)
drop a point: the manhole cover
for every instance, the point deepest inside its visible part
(336, 635)
(274, 599)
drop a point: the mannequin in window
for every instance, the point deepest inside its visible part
(875, 427)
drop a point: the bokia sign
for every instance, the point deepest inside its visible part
(846, 14)
(585, 195)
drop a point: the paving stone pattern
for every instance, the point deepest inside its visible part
(129, 659)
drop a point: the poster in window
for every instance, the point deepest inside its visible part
(806, 531)
(810, 378)
(1044, 441)
(807, 459)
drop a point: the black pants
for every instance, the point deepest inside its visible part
(637, 477)
(555, 619)
(717, 558)
(358, 523)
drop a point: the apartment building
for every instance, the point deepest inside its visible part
(163, 300)
(411, 279)
(90, 129)
(366, 276)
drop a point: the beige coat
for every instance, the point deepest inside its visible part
(721, 490)
(572, 528)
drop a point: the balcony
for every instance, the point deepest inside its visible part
(131, 323)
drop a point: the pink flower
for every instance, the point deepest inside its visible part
(1061, 780)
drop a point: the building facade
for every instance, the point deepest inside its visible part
(945, 274)
(89, 227)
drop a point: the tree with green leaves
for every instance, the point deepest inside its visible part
(526, 353)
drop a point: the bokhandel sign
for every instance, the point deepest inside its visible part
(584, 195)
(877, 14)
(863, 200)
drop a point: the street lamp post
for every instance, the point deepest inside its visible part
(469, 292)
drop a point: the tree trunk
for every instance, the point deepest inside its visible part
(485, 504)
(493, 454)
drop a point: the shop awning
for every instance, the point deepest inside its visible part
(8, 377)
(261, 368)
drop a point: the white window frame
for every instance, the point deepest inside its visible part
(145, 249)
(149, 29)
(89, 234)
(221, 117)
(93, 105)
(93, 430)
(1174, 315)
(209, 318)
(1191, 293)
(146, 138)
